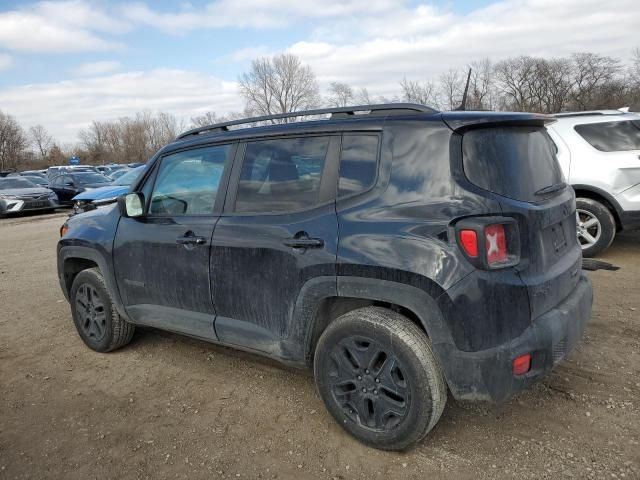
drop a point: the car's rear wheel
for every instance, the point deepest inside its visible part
(379, 378)
(596, 227)
(96, 319)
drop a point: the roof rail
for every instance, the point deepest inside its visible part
(589, 113)
(337, 112)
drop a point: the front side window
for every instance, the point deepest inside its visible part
(187, 182)
(611, 136)
(281, 175)
(358, 163)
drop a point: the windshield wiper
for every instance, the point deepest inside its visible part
(551, 188)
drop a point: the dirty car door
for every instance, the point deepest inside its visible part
(279, 230)
(161, 259)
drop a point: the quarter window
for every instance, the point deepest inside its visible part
(187, 182)
(611, 136)
(358, 163)
(281, 175)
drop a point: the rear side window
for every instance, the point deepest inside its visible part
(514, 162)
(611, 136)
(358, 163)
(281, 175)
(187, 182)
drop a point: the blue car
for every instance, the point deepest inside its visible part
(89, 199)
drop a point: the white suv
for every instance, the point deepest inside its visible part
(600, 155)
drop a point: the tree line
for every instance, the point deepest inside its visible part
(282, 83)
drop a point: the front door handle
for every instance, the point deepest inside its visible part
(191, 240)
(303, 242)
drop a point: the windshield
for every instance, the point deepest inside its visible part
(129, 177)
(34, 179)
(515, 162)
(9, 183)
(85, 178)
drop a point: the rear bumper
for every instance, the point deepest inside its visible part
(487, 374)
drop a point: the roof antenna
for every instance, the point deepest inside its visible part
(463, 105)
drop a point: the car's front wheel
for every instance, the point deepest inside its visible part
(95, 316)
(379, 378)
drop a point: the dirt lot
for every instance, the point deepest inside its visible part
(171, 407)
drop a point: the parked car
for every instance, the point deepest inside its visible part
(17, 194)
(88, 199)
(68, 185)
(29, 173)
(397, 251)
(118, 173)
(599, 153)
(40, 181)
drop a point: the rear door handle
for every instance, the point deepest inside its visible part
(303, 242)
(191, 240)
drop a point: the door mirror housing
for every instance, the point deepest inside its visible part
(131, 204)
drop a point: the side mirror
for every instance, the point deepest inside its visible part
(131, 204)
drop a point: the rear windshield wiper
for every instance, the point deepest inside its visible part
(551, 188)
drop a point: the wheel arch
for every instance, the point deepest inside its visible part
(599, 195)
(352, 293)
(73, 259)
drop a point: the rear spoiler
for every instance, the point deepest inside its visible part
(461, 121)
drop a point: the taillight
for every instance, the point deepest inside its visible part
(469, 242)
(495, 243)
(521, 364)
(489, 242)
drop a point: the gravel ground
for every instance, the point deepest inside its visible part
(167, 406)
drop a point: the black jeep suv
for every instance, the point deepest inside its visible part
(398, 251)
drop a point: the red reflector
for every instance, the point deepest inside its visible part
(522, 364)
(469, 241)
(496, 243)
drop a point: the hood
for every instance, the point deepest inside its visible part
(26, 192)
(102, 193)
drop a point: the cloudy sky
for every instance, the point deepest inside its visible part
(65, 63)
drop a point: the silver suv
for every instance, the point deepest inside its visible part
(599, 153)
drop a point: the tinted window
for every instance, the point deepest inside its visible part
(358, 163)
(515, 162)
(59, 180)
(187, 182)
(611, 136)
(281, 175)
(88, 178)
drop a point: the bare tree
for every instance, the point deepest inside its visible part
(513, 77)
(211, 118)
(481, 85)
(13, 142)
(592, 72)
(634, 69)
(340, 94)
(363, 97)
(41, 140)
(279, 84)
(451, 85)
(417, 92)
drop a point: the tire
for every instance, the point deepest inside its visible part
(383, 352)
(96, 319)
(596, 226)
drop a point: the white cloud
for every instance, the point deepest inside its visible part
(5, 61)
(68, 26)
(423, 42)
(96, 68)
(251, 13)
(66, 107)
